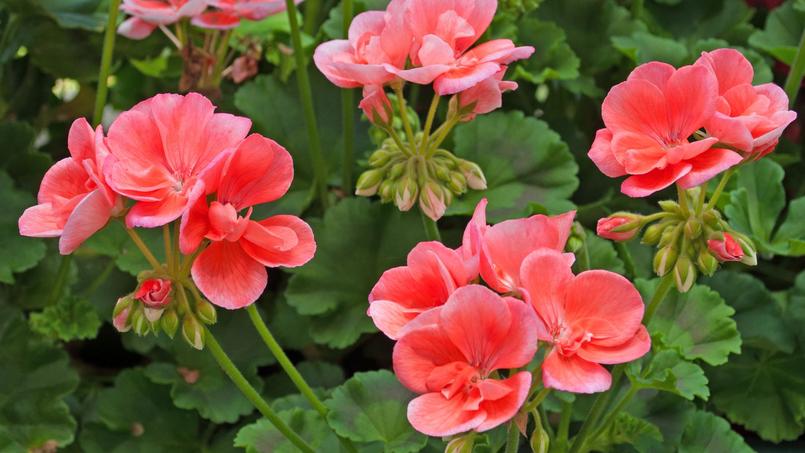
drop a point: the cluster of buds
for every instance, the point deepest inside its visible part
(153, 308)
(431, 178)
(688, 242)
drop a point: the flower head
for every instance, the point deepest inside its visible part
(592, 318)
(146, 15)
(448, 356)
(154, 292)
(75, 200)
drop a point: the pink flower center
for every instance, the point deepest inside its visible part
(568, 340)
(225, 223)
(454, 378)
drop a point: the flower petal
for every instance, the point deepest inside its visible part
(501, 410)
(229, 277)
(653, 181)
(544, 275)
(574, 374)
(632, 349)
(434, 415)
(259, 171)
(419, 352)
(268, 241)
(707, 165)
(88, 217)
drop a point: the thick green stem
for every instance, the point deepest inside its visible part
(152, 260)
(659, 295)
(106, 62)
(431, 228)
(312, 8)
(409, 133)
(251, 394)
(166, 238)
(794, 79)
(306, 95)
(434, 105)
(534, 403)
(287, 366)
(683, 200)
(564, 425)
(348, 112)
(719, 188)
(61, 279)
(512, 438)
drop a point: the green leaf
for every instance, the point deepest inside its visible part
(602, 254)
(71, 318)
(137, 415)
(791, 234)
(669, 372)
(357, 241)
(781, 34)
(262, 437)
(19, 156)
(317, 374)
(693, 19)
(530, 164)
(17, 253)
(35, 379)
(709, 432)
(642, 47)
(697, 324)
(795, 311)
(628, 429)
(763, 392)
(757, 313)
(553, 58)
(67, 13)
(371, 407)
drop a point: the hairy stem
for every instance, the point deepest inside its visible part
(794, 79)
(431, 228)
(152, 260)
(347, 111)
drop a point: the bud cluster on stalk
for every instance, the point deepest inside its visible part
(688, 242)
(153, 307)
(432, 178)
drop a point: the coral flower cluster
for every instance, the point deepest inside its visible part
(466, 348)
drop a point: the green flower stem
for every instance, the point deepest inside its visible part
(306, 95)
(166, 238)
(397, 140)
(106, 62)
(152, 260)
(431, 228)
(312, 8)
(603, 399)
(290, 369)
(398, 91)
(720, 188)
(101, 278)
(442, 133)
(794, 79)
(347, 111)
(61, 279)
(434, 106)
(513, 438)
(564, 425)
(610, 419)
(537, 400)
(683, 200)
(251, 394)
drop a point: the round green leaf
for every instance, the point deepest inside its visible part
(709, 432)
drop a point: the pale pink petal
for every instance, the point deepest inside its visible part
(135, 28)
(65, 180)
(574, 374)
(707, 165)
(632, 349)
(730, 131)
(434, 51)
(501, 410)
(647, 184)
(227, 276)
(155, 214)
(326, 56)
(601, 154)
(434, 415)
(261, 244)
(462, 78)
(88, 217)
(368, 23)
(41, 221)
(419, 352)
(390, 317)
(422, 75)
(259, 171)
(729, 66)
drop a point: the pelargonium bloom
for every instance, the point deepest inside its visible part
(442, 33)
(749, 118)
(230, 12)
(74, 198)
(231, 270)
(149, 14)
(649, 119)
(448, 354)
(590, 319)
(486, 96)
(163, 154)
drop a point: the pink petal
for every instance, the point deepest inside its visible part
(690, 97)
(81, 140)
(638, 153)
(632, 349)
(730, 131)
(330, 52)
(574, 374)
(135, 28)
(65, 180)
(729, 66)
(635, 106)
(369, 23)
(435, 51)
(545, 274)
(41, 221)
(473, 237)
(434, 415)
(391, 317)
(655, 72)
(155, 214)
(460, 79)
(499, 411)
(259, 171)
(261, 241)
(134, 138)
(216, 20)
(601, 154)
(421, 75)
(419, 352)
(229, 277)
(194, 226)
(88, 217)
(647, 184)
(707, 165)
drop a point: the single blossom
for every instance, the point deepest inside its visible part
(442, 33)
(228, 13)
(749, 118)
(504, 246)
(486, 96)
(146, 15)
(726, 249)
(375, 104)
(154, 292)
(649, 119)
(165, 154)
(74, 200)
(590, 319)
(231, 271)
(606, 225)
(449, 354)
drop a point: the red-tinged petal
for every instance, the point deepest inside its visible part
(655, 72)
(134, 138)
(135, 28)
(544, 275)
(150, 183)
(707, 165)
(690, 96)
(182, 124)
(391, 317)
(434, 415)
(520, 342)
(470, 248)
(604, 304)
(501, 410)
(730, 131)
(645, 185)
(88, 217)
(229, 277)
(259, 171)
(574, 374)
(638, 153)
(434, 258)
(462, 78)
(194, 226)
(81, 140)
(149, 214)
(687, 151)
(42, 221)
(216, 20)
(601, 154)
(636, 106)
(729, 66)
(632, 349)
(419, 352)
(260, 241)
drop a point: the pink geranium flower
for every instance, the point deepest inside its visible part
(749, 118)
(230, 12)
(590, 319)
(163, 154)
(74, 199)
(448, 354)
(231, 270)
(649, 118)
(442, 33)
(149, 14)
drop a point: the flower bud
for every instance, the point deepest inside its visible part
(397, 170)
(748, 247)
(670, 206)
(432, 200)
(711, 218)
(120, 316)
(405, 194)
(457, 184)
(693, 228)
(169, 322)
(461, 444)
(669, 236)
(380, 158)
(386, 191)
(473, 174)
(123, 303)
(706, 263)
(440, 171)
(155, 294)
(618, 227)
(139, 323)
(206, 312)
(193, 332)
(665, 259)
(684, 274)
(653, 233)
(725, 248)
(376, 105)
(368, 182)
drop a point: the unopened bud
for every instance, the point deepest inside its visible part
(139, 323)
(619, 226)
(397, 170)
(748, 247)
(693, 228)
(669, 236)
(725, 247)
(684, 274)
(440, 171)
(193, 332)
(670, 206)
(120, 316)
(653, 233)
(664, 260)
(711, 218)
(706, 263)
(368, 182)
(406, 193)
(476, 180)
(386, 191)
(169, 322)
(206, 312)
(461, 444)
(122, 304)
(457, 184)
(380, 158)
(433, 200)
